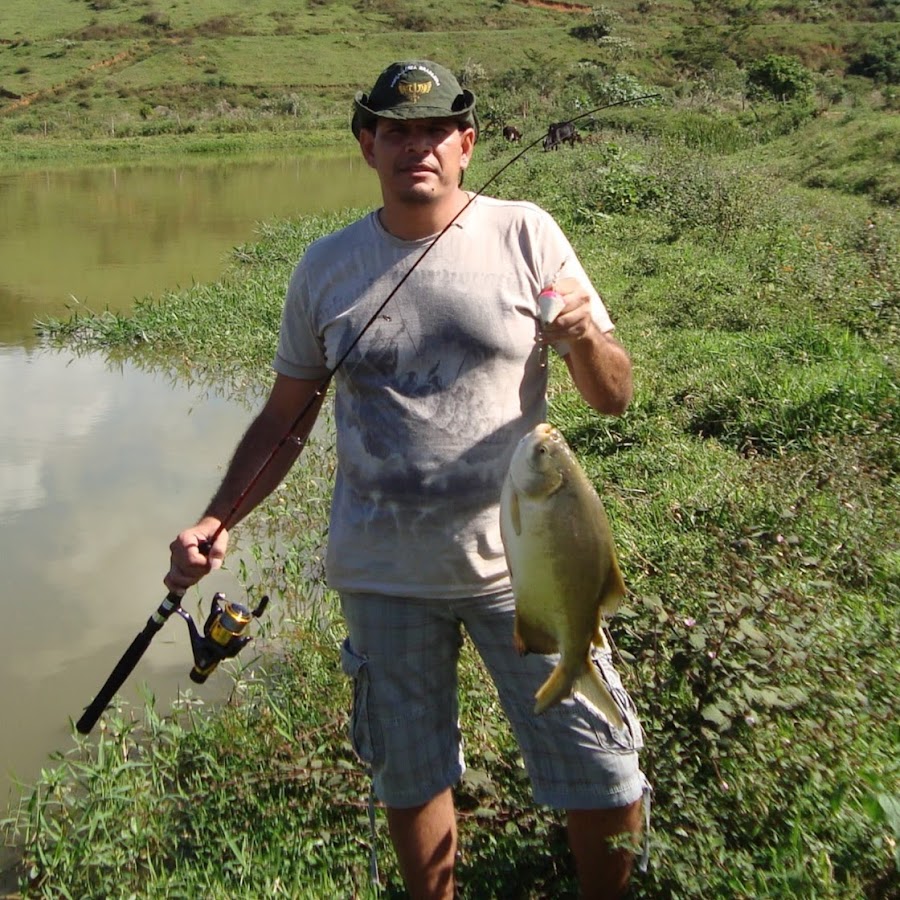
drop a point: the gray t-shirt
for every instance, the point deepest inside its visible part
(432, 399)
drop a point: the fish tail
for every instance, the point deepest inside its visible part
(557, 687)
(590, 684)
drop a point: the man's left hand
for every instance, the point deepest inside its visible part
(574, 322)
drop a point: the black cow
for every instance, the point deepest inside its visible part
(512, 134)
(561, 133)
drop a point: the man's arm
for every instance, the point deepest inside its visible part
(601, 369)
(599, 365)
(251, 460)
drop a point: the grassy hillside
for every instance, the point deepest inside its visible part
(122, 68)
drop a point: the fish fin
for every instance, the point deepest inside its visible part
(514, 513)
(600, 640)
(613, 591)
(519, 644)
(530, 639)
(557, 687)
(592, 687)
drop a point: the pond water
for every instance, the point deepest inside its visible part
(99, 238)
(99, 461)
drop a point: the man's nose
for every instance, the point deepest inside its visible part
(418, 139)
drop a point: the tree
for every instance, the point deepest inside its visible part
(601, 24)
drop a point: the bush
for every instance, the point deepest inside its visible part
(602, 21)
(779, 77)
(878, 59)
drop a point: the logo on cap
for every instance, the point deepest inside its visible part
(413, 90)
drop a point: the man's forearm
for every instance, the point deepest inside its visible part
(255, 470)
(601, 370)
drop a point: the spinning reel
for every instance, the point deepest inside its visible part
(224, 634)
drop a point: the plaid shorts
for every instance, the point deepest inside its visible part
(402, 655)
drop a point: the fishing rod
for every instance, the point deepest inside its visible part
(224, 632)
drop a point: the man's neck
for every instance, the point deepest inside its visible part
(414, 221)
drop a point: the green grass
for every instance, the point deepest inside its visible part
(192, 59)
(855, 152)
(752, 488)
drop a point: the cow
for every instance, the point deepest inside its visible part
(561, 133)
(512, 134)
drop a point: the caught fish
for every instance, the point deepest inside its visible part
(562, 561)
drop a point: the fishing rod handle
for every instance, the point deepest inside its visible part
(125, 666)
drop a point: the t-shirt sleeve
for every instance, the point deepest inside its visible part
(300, 353)
(565, 264)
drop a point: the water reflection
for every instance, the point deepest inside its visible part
(60, 405)
(95, 479)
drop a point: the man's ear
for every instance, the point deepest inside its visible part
(467, 140)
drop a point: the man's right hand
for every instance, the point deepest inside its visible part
(189, 563)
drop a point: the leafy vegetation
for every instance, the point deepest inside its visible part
(748, 255)
(779, 77)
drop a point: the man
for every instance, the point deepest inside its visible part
(432, 393)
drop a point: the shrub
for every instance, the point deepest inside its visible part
(602, 88)
(779, 77)
(155, 19)
(602, 21)
(878, 59)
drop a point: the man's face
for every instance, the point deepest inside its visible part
(417, 160)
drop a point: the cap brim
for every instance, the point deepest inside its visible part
(364, 116)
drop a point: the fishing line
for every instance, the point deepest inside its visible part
(322, 386)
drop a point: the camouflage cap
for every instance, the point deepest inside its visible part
(414, 89)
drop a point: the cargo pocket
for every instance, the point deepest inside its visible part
(356, 667)
(632, 736)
